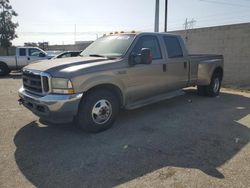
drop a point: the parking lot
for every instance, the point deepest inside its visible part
(188, 141)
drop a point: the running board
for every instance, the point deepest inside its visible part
(152, 100)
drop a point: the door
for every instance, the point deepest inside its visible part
(177, 64)
(35, 54)
(21, 57)
(146, 80)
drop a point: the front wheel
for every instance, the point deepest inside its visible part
(4, 70)
(97, 111)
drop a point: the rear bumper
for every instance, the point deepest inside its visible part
(52, 108)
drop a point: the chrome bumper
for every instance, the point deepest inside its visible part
(52, 108)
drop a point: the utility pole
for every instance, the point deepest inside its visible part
(157, 10)
(186, 24)
(189, 24)
(75, 34)
(166, 16)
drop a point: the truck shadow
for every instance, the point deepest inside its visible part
(187, 132)
(12, 75)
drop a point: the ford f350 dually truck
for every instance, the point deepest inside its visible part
(116, 71)
(23, 56)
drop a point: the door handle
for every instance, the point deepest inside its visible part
(28, 58)
(185, 65)
(164, 68)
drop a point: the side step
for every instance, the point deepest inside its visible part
(155, 99)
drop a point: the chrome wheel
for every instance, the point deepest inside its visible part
(101, 111)
(216, 85)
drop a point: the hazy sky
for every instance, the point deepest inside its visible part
(55, 20)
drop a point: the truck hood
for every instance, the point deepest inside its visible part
(67, 65)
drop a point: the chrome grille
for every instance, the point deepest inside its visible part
(36, 83)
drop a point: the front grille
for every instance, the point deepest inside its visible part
(35, 83)
(45, 83)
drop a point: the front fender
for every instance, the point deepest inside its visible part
(94, 81)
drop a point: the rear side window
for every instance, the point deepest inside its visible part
(22, 52)
(150, 42)
(173, 47)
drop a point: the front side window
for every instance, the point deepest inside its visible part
(173, 47)
(33, 52)
(150, 42)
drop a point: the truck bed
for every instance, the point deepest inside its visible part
(203, 65)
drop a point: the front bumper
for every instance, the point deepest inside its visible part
(52, 108)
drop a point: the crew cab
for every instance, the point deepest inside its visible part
(126, 70)
(22, 57)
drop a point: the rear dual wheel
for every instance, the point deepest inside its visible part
(213, 89)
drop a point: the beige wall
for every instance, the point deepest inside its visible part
(233, 41)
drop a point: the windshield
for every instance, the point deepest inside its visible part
(109, 46)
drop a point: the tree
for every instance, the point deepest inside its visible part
(7, 26)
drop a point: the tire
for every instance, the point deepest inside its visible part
(4, 69)
(97, 111)
(201, 90)
(213, 89)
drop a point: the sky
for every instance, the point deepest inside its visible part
(55, 21)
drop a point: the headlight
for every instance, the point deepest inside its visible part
(62, 86)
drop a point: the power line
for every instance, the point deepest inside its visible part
(225, 3)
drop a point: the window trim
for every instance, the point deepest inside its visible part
(174, 57)
(158, 43)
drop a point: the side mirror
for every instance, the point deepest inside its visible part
(134, 59)
(144, 58)
(42, 54)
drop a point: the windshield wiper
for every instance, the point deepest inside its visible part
(98, 55)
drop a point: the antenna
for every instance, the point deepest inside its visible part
(75, 34)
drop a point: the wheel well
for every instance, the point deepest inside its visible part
(219, 71)
(110, 87)
(3, 63)
(6, 70)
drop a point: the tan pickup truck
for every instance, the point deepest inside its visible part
(126, 70)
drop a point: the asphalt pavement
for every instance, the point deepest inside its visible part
(189, 141)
